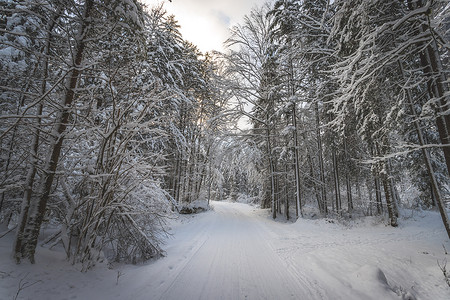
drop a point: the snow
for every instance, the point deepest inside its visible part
(235, 251)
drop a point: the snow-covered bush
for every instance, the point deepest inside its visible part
(194, 207)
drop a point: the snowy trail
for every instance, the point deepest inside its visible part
(230, 258)
(237, 251)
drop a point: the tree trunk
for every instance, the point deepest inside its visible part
(383, 172)
(37, 208)
(316, 189)
(177, 178)
(435, 90)
(378, 195)
(286, 194)
(337, 186)
(388, 193)
(278, 193)
(272, 173)
(437, 85)
(321, 165)
(349, 194)
(395, 196)
(370, 192)
(299, 210)
(347, 181)
(429, 166)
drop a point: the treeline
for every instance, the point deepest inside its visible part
(110, 120)
(347, 101)
(107, 122)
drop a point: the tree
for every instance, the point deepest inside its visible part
(250, 70)
(383, 40)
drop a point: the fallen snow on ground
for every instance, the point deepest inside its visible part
(237, 252)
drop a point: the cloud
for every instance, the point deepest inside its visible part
(206, 23)
(225, 19)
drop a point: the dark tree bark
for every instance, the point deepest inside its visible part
(347, 180)
(35, 215)
(321, 164)
(298, 206)
(426, 155)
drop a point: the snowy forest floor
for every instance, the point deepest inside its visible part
(235, 251)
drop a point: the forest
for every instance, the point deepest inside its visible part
(111, 122)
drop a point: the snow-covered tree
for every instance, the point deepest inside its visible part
(373, 40)
(249, 50)
(121, 90)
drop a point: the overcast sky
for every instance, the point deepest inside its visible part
(205, 23)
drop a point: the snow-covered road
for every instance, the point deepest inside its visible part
(237, 251)
(229, 257)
